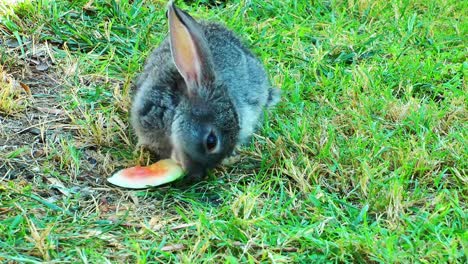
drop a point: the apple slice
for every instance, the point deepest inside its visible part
(138, 177)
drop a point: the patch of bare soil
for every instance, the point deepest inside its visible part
(32, 141)
(29, 129)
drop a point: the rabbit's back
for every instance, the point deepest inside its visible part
(243, 74)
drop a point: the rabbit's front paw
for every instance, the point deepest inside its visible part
(231, 159)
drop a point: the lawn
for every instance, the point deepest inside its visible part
(364, 160)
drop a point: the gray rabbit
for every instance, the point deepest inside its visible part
(201, 94)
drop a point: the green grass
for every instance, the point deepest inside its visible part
(364, 160)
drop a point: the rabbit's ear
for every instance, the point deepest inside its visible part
(189, 49)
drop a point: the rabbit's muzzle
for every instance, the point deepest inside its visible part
(195, 170)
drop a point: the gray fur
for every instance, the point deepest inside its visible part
(171, 122)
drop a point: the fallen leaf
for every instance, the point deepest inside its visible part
(25, 87)
(39, 50)
(56, 183)
(92, 233)
(38, 153)
(38, 237)
(53, 111)
(42, 66)
(89, 6)
(12, 43)
(53, 199)
(155, 223)
(182, 226)
(16, 87)
(111, 239)
(105, 207)
(256, 246)
(172, 248)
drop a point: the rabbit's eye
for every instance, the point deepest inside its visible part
(211, 142)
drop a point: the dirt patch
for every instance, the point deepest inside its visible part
(35, 141)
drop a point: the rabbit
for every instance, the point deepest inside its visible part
(201, 94)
